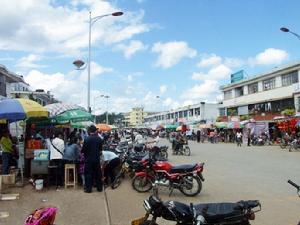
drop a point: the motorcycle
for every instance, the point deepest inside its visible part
(182, 148)
(209, 213)
(187, 178)
(295, 144)
(297, 187)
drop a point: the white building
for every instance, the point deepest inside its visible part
(264, 96)
(202, 112)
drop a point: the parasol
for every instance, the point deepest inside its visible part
(235, 125)
(73, 116)
(19, 109)
(221, 125)
(59, 108)
(103, 127)
(171, 126)
(205, 126)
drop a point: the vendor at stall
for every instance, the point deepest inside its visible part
(7, 152)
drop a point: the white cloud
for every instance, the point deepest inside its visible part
(30, 61)
(233, 62)
(37, 26)
(200, 92)
(130, 49)
(216, 73)
(129, 78)
(163, 89)
(209, 61)
(269, 57)
(96, 70)
(171, 53)
(170, 103)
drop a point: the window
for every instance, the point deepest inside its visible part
(222, 111)
(290, 78)
(227, 94)
(239, 91)
(197, 112)
(253, 88)
(269, 84)
(298, 106)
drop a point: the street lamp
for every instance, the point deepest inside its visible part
(286, 30)
(106, 96)
(79, 63)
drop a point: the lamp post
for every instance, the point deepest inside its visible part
(79, 63)
(286, 30)
(106, 96)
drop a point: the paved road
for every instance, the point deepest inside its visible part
(232, 173)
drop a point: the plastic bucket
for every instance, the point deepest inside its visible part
(39, 184)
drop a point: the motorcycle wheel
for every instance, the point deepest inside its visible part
(189, 183)
(187, 151)
(141, 184)
(164, 154)
(282, 145)
(116, 183)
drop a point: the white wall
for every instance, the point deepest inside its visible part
(276, 93)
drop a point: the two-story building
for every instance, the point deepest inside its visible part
(263, 97)
(198, 113)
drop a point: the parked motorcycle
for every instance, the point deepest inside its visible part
(187, 178)
(239, 213)
(297, 187)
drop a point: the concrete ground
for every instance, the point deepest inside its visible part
(232, 173)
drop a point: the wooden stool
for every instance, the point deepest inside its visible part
(70, 168)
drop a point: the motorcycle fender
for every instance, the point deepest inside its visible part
(141, 174)
(201, 176)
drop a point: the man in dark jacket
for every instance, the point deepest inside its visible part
(92, 150)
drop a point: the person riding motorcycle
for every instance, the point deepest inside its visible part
(179, 142)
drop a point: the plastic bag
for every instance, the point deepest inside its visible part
(41, 216)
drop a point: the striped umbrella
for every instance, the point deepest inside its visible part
(19, 109)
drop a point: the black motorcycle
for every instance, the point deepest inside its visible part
(297, 187)
(239, 213)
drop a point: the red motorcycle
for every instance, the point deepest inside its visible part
(187, 178)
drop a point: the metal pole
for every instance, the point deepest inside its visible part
(89, 65)
(107, 109)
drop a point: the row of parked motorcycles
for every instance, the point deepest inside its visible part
(290, 144)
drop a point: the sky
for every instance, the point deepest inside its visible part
(160, 55)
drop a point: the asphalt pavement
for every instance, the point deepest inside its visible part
(231, 174)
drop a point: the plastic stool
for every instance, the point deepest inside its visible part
(70, 168)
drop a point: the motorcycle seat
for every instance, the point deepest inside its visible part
(218, 212)
(183, 168)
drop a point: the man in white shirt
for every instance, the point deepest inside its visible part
(239, 136)
(139, 139)
(57, 148)
(111, 162)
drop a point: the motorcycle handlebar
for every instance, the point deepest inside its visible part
(293, 184)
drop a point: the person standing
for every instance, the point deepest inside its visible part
(248, 137)
(239, 138)
(92, 150)
(198, 136)
(7, 152)
(57, 148)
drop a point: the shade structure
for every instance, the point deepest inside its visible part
(81, 125)
(221, 125)
(235, 125)
(181, 128)
(19, 109)
(73, 116)
(171, 126)
(103, 127)
(59, 108)
(160, 127)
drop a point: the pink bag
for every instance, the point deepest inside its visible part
(41, 216)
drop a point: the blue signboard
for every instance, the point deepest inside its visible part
(235, 77)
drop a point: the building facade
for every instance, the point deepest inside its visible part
(135, 117)
(198, 113)
(9, 82)
(263, 97)
(39, 95)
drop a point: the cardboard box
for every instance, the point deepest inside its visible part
(9, 179)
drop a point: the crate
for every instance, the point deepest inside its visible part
(41, 154)
(39, 167)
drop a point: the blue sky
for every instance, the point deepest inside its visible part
(179, 50)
